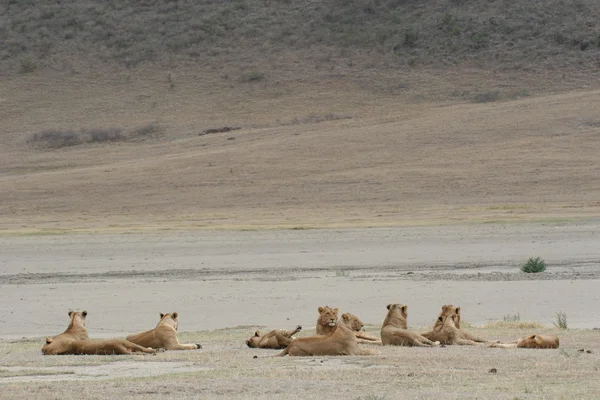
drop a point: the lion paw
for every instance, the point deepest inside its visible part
(198, 346)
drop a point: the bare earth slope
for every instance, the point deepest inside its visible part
(389, 164)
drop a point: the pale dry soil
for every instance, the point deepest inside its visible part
(227, 284)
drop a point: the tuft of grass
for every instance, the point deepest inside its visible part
(561, 320)
(512, 317)
(513, 325)
(27, 65)
(533, 265)
(253, 76)
(342, 273)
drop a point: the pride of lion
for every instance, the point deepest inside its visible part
(334, 336)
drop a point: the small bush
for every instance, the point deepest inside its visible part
(147, 130)
(55, 139)
(254, 76)
(487, 97)
(27, 65)
(512, 317)
(106, 135)
(561, 320)
(534, 265)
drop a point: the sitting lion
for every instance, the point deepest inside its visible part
(75, 341)
(446, 332)
(327, 320)
(163, 336)
(394, 329)
(276, 339)
(530, 342)
(449, 310)
(75, 331)
(341, 341)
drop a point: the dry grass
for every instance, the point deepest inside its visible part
(226, 368)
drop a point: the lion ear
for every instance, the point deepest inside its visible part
(345, 317)
(441, 319)
(175, 315)
(531, 337)
(404, 308)
(458, 310)
(320, 309)
(84, 313)
(48, 340)
(162, 315)
(70, 312)
(257, 333)
(389, 306)
(537, 339)
(335, 310)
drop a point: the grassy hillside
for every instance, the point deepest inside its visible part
(514, 34)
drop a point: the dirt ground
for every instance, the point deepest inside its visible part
(225, 284)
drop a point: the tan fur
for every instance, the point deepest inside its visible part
(356, 325)
(394, 329)
(327, 320)
(163, 336)
(448, 310)
(446, 332)
(531, 342)
(60, 344)
(75, 341)
(276, 339)
(108, 347)
(341, 341)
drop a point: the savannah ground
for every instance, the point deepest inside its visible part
(388, 152)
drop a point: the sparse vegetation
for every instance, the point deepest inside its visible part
(561, 320)
(56, 138)
(503, 34)
(512, 317)
(253, 76)
(487, 97)
(534, 265)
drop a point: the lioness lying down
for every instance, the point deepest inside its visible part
(276, 339)
(530, 342)
(340, 342)
(75, 341)
(75, 331)
(394, 329)
(163, 336)
(445, 335)
(327, 322)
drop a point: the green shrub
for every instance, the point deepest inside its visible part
(512, 317)
(534, 265)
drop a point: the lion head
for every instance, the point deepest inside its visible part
(169, 319)
(327, 316)
(254, 340)
(352, 322)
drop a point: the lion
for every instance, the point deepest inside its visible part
(530, 342)
(276, 339)
(356, 325)
(341, 341)
(449, 309)
(75, 331)
(327, 320)
(163, 336)
(446, 332)
(108, 347)
(75, 340)
(394, 329)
